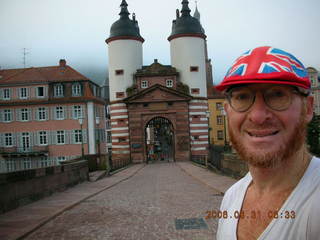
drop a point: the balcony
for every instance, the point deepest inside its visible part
(24, 151)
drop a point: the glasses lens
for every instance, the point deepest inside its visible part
(278, 98)
(241, 99)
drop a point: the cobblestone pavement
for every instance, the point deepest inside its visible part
(154, 204)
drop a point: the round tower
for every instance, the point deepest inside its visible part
(188, 51)
(125, 53)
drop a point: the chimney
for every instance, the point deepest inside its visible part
(155, 61)
(62, 63)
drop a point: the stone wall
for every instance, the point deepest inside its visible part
(231, 164)
(23, 187)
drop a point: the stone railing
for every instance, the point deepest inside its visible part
(23, 187)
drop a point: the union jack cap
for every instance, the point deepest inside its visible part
(266, 65)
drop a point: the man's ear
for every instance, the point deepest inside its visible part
(309, 106)
(226, 106)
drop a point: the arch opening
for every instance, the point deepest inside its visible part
(159, 140)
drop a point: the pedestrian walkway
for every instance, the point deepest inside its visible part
(20, 222)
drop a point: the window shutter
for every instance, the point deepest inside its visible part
(31, 139)
(1, 115)
(19, 140)
(27, 92)
(72, 137)
(52, 135)
(46, 113)
(36, 137)
(1, 94)
(29, 114)
(18, 114)
(67, 137)
(65, 112)
(73, 112)
(84, 135)
(36, 114)
(1, 140)
(14, 139)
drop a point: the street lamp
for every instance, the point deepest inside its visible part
(82, 148)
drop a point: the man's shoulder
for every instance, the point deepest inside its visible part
(239, 187)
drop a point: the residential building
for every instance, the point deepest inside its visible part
(315, 88)
(218, 120)
(49, 114)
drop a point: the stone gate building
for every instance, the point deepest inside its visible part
(159, 111)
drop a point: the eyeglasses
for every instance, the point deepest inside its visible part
(278, 98)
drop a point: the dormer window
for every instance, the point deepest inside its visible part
(76, 89)
(6, 94)
(58, 90)
(169, 83)
(144, 84)
(23, 93)
(40, 92)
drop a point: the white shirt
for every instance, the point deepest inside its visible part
(304, 201)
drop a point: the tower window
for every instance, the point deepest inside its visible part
(195, 90)
(194, 69)
(169, 83)
(119, 72)
(144, 84)
(120, 95)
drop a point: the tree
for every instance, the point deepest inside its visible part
(313, 135)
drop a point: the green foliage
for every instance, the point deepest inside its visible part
(183, 87)
(132, 90)
(313, 135)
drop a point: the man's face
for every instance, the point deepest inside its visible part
(263, 136)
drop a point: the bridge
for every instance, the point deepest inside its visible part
(163, 200)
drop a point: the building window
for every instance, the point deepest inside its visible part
(23, 93)
(24, 114)
(122, 140)
(43, 138)
(42, 114)
(194, 69)
(61, 137)
(7, 115)
(218, 106)
(59, 113)
(144, 84)
(119, 72)
(6, 94)
(40, 92)
(120, 95)
(8, 140)
(169, 83)
(27, 163)
(77, 112)
(195, 90)
(77, 136)
(220, 134)
(109, 139)
(76, 89)
(61, 158)
(219, 120)
(58, 90)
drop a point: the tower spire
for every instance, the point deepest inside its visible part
(196, 12)
(185, 8)
(124, 13)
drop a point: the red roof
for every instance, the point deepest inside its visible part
(40, 74)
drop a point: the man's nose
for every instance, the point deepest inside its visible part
(259, 111)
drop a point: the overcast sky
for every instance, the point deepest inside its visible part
(76, 30)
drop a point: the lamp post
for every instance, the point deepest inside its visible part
(82, 148)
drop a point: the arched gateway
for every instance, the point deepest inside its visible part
(159, 140)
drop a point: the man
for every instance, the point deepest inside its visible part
(268, 105)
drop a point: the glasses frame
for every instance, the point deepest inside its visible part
(295, 90)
